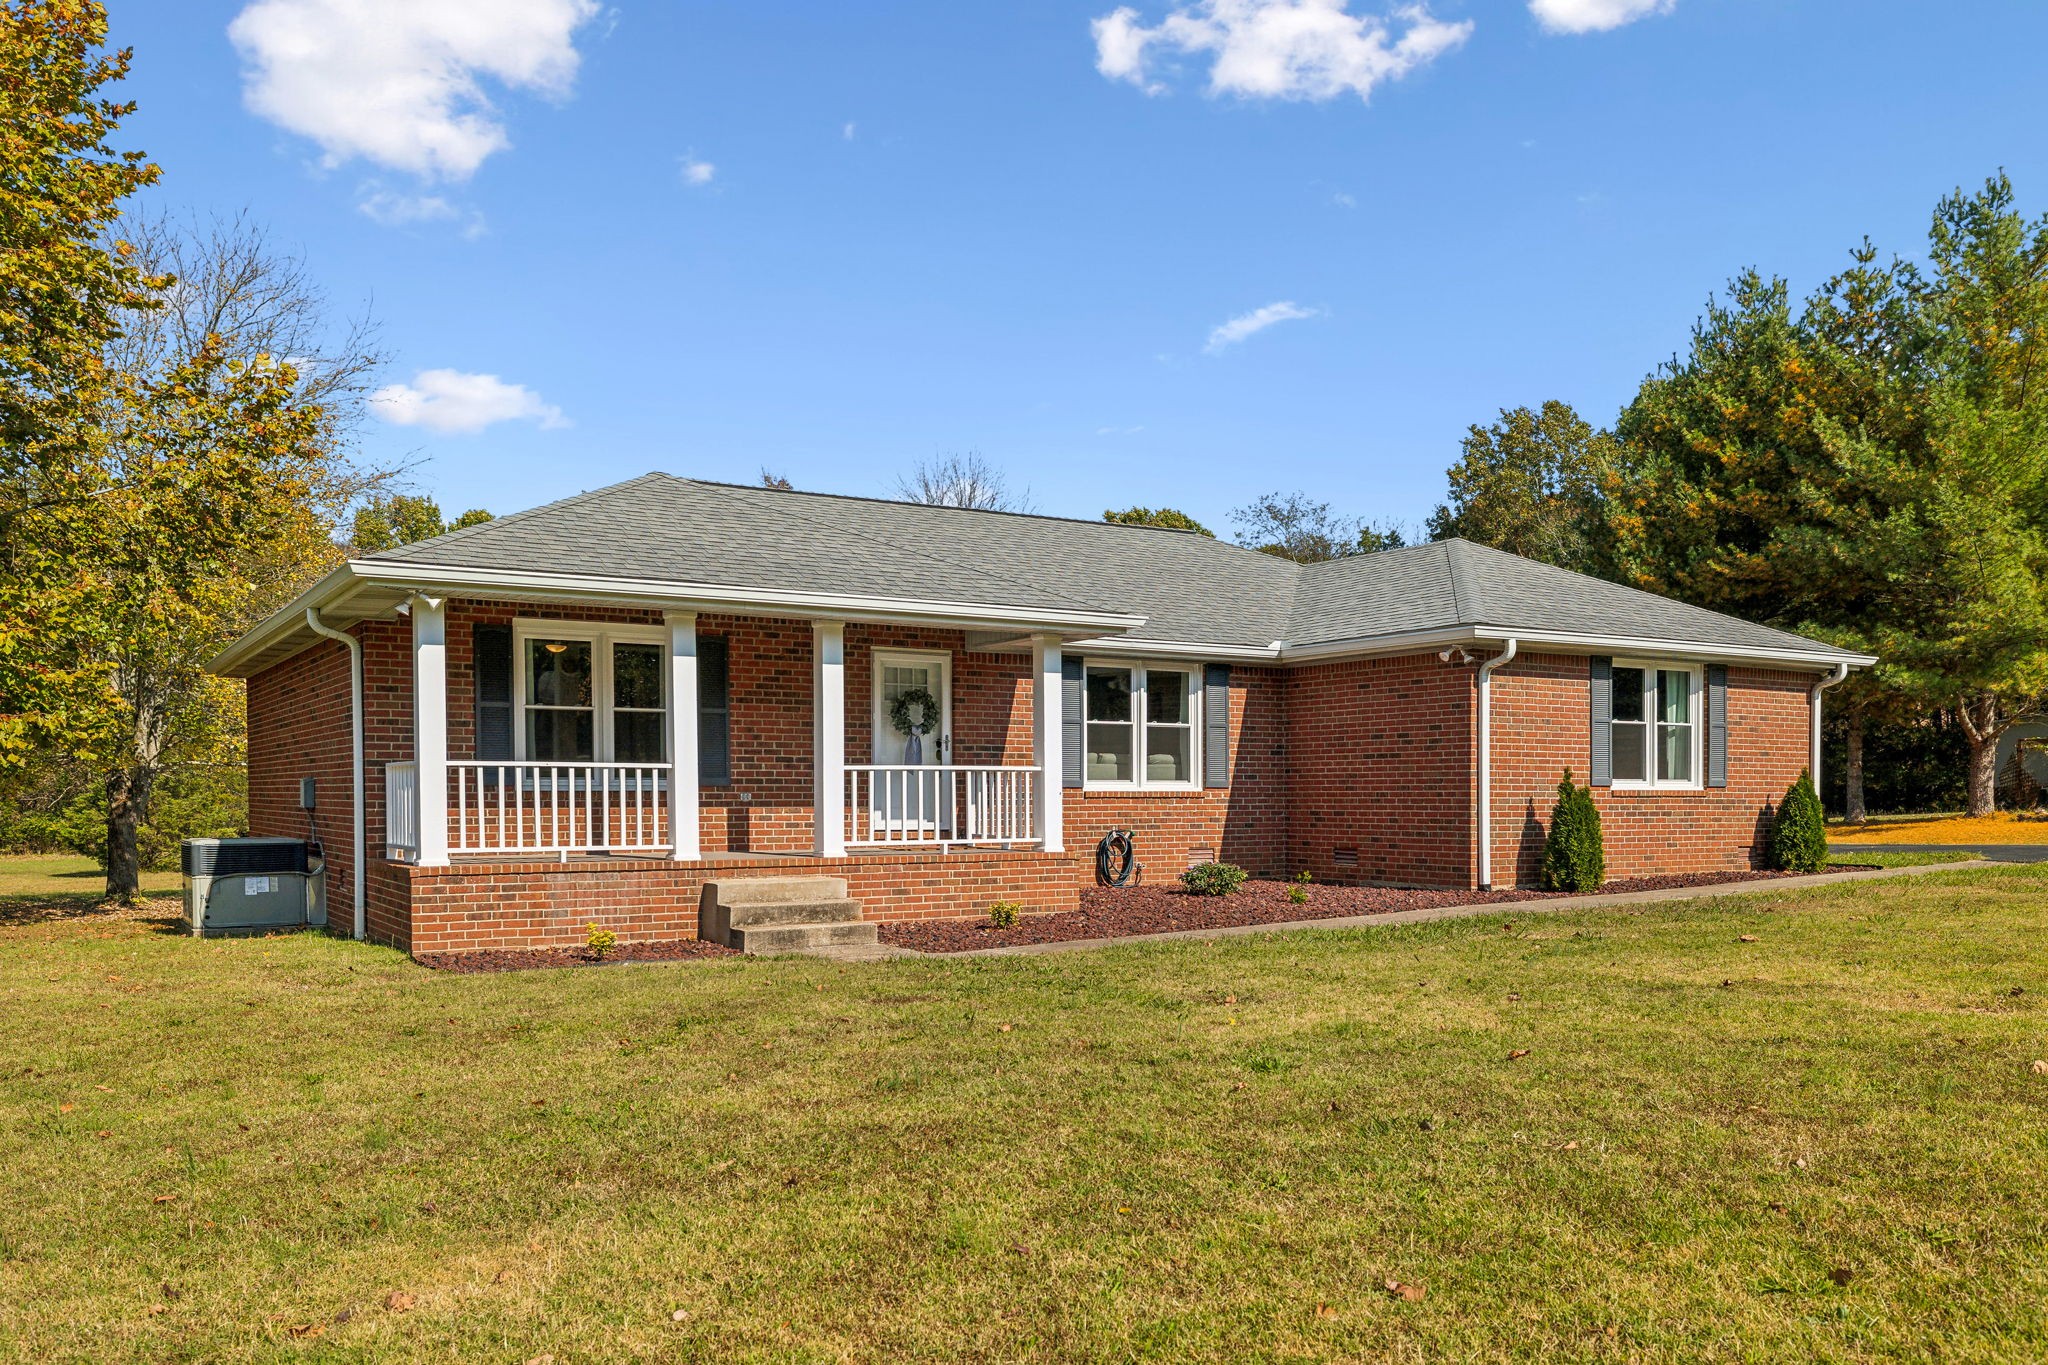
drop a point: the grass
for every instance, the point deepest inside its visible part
(2005, 827)
(48, 885)
(1851, 856)
(1202, 1151)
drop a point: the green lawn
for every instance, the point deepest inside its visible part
(1849, 855)
(1197, 1151)
(45, 884)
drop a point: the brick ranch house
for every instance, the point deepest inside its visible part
(585, 711)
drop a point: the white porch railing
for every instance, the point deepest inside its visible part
(402, 811)
(899, 805)
(558, 808)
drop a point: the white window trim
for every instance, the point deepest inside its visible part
(601, 637)
(1140, 670)
(1698, 711)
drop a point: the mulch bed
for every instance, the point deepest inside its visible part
(525, 959)
(1123, 912)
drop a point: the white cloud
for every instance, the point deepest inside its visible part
(1594, 16)
(399, 82)
(697, 172)
(1278, 49)
(847, 132)
(1254, 322)
(458, 404)
(398, 210)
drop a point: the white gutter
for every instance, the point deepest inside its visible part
(1813, 720)
(355, 707)
(1486, 671)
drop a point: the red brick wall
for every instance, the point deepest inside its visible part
(1542, 724)
(1380, 764)
(1244, 823)
(543, 904)
(299, 726)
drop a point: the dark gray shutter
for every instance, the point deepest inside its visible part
(490, 649)
(1216, 725)
(1073, 725)
(1600, 766)
(714, 712)
(1717, 725)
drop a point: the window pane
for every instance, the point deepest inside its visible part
(636, 736)
(1628, 694)
(1166, 752)
(1109, 751)
(636, 676)
(1109, 695)
(558, 736)
(1166, 697)
(1631, 762)
(1674, 693)
(558, 672)
(1674, 753)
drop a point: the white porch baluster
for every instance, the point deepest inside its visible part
(828, 749)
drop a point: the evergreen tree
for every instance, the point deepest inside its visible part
(1574, 853)
(1799, 835)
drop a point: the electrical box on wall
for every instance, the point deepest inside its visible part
(305, 793)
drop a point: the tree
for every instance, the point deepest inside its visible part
(389, 520)
(1158, 516)
(1530, 484)
(771, 479)
(63, 284)
(1574, 850)
(1297, 527)
(1799, 835)
(962, 481)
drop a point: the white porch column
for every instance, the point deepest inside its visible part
(685, 828)
(430, 724)
(828, 748)
(1048, 689)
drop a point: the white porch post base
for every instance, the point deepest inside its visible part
(684, 820)
(828, 748)
(1047, 692)
(430, 725)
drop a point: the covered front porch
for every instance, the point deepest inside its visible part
(610, 735)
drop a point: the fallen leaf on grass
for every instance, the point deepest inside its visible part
(1518, 1054)
(164, 1199)
(1407, 1293)
(1799, 1163)
(1840, 1276)
(66, 1107)
(1002, 1028)
(156, 1308)
(1569, 1147)
(1747, 938)
(501, 1277)
(683, 1314)
(104, 1132)
(344, 1315)
(1323, 1310)
(398, 1301)
(540, 1360)
(306, 1329)
(2039, 1068)
(110, 1089)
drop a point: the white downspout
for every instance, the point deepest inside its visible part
(1486, 670)
(1813, 721)
(355, 707)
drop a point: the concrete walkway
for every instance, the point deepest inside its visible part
(1517, 908)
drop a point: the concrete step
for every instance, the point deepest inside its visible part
(767, 890)
(802, 938)
(765, 913)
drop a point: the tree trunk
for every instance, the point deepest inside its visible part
(1852, 772)
(1983, 724)
(127, 799)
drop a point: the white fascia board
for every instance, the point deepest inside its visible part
(1180, 649)
(712, 597)
(290, 618)
(1682, 649)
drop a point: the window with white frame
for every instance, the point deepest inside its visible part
(1139, 725)
(1655, 733)
(590, 694)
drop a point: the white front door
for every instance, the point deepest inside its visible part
(915, 799)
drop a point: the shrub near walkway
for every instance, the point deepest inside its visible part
(1614, 1135)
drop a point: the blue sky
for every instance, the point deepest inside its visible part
(835, 239)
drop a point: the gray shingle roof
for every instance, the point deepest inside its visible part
(1190, 589)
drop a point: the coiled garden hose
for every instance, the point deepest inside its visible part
(1116, 860)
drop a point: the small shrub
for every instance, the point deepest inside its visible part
(1297, 891)
(600, 940)
(1003, 915)
(1799, 836)
(1574, 855)
(1213, 879)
